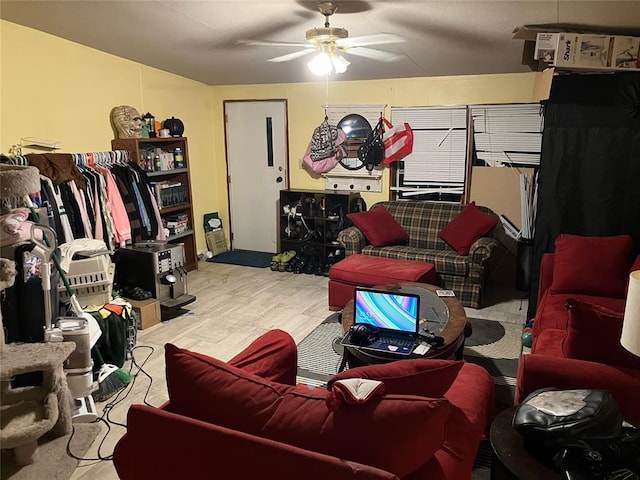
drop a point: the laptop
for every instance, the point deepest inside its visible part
(393, 316)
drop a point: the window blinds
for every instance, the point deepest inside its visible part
(508, 134)
(438, 161)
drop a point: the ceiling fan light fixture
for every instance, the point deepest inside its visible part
(339, 63)
(319, 36)
(325, 63)
(327, 44)
(320, 64)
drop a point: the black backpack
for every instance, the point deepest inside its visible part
(371, 152)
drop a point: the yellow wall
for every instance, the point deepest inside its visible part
(60, 90)
(55, 89)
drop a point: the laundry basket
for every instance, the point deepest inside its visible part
(91, 279)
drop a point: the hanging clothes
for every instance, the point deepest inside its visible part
(56, 212)
(116, 206)
(59, 167)
(137, 200)
(73, 210)
(96, 195)
(82, 206)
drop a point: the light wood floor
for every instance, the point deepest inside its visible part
(234, 306)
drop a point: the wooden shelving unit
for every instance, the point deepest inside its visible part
(139, 148)
(320, 215)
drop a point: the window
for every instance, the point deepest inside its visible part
(435, 170)
(507, 135)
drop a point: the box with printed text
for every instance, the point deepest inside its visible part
(588, 51)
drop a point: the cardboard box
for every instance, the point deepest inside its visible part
(147, 311)
(166, 161)
(588, 51)
(216, 242)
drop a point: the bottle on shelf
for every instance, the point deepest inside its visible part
(178, 158)
(148, 163)
(157, 166)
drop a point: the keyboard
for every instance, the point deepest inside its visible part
(394, 340)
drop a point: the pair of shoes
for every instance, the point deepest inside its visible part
(275, 262)
(300, 264)
(293, 264)
(136, 293)
(280, 261)
(285, 259)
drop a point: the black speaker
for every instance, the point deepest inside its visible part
(524, 261)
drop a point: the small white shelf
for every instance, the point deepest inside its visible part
(36, 143)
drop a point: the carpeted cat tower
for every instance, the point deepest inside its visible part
(29, 412)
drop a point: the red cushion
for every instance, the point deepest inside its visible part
(397, 433)
(424, 377)
(593, 334)
(368, 270)
(379, 227)
(272, 356)
(549, 342)
(552, 313)
(591, 265)
(468, 226)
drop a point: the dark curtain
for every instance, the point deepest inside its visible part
(589, 181)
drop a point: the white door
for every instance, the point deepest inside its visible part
(257, 158)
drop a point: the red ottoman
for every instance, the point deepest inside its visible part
(367, 271)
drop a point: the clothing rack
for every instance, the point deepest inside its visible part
(80, 159)
(112, 156)
(117, 206)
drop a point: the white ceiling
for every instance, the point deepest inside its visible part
(198, 39)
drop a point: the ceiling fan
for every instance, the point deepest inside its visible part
(330, 43)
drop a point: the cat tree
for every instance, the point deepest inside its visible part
(29, 412)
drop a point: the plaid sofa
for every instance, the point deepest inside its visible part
(423, 220)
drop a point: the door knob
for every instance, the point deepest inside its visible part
(279, 180)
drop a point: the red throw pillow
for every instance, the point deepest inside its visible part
(272, 356)
(379, 227)
(591, 265)
(396, 433)
(423, 377)
(593, 334)
(468, 226)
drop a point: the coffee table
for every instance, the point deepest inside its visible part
(443, 316)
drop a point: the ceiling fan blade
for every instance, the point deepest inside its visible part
(375, 39)
(266, 43)
(291, 56)
(373, 54)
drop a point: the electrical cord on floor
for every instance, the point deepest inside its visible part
(342, 364)
(120, 396)
(97, 459)
(134, 377)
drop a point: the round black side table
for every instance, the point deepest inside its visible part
(510, 460)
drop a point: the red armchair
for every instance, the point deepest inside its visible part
(577, 327)
(247, 419)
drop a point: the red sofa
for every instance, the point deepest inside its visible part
(246, 419)
(576, 331)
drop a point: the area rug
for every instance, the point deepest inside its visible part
(497, 347)
(493, 345)
(54, 463)
(246, 258)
